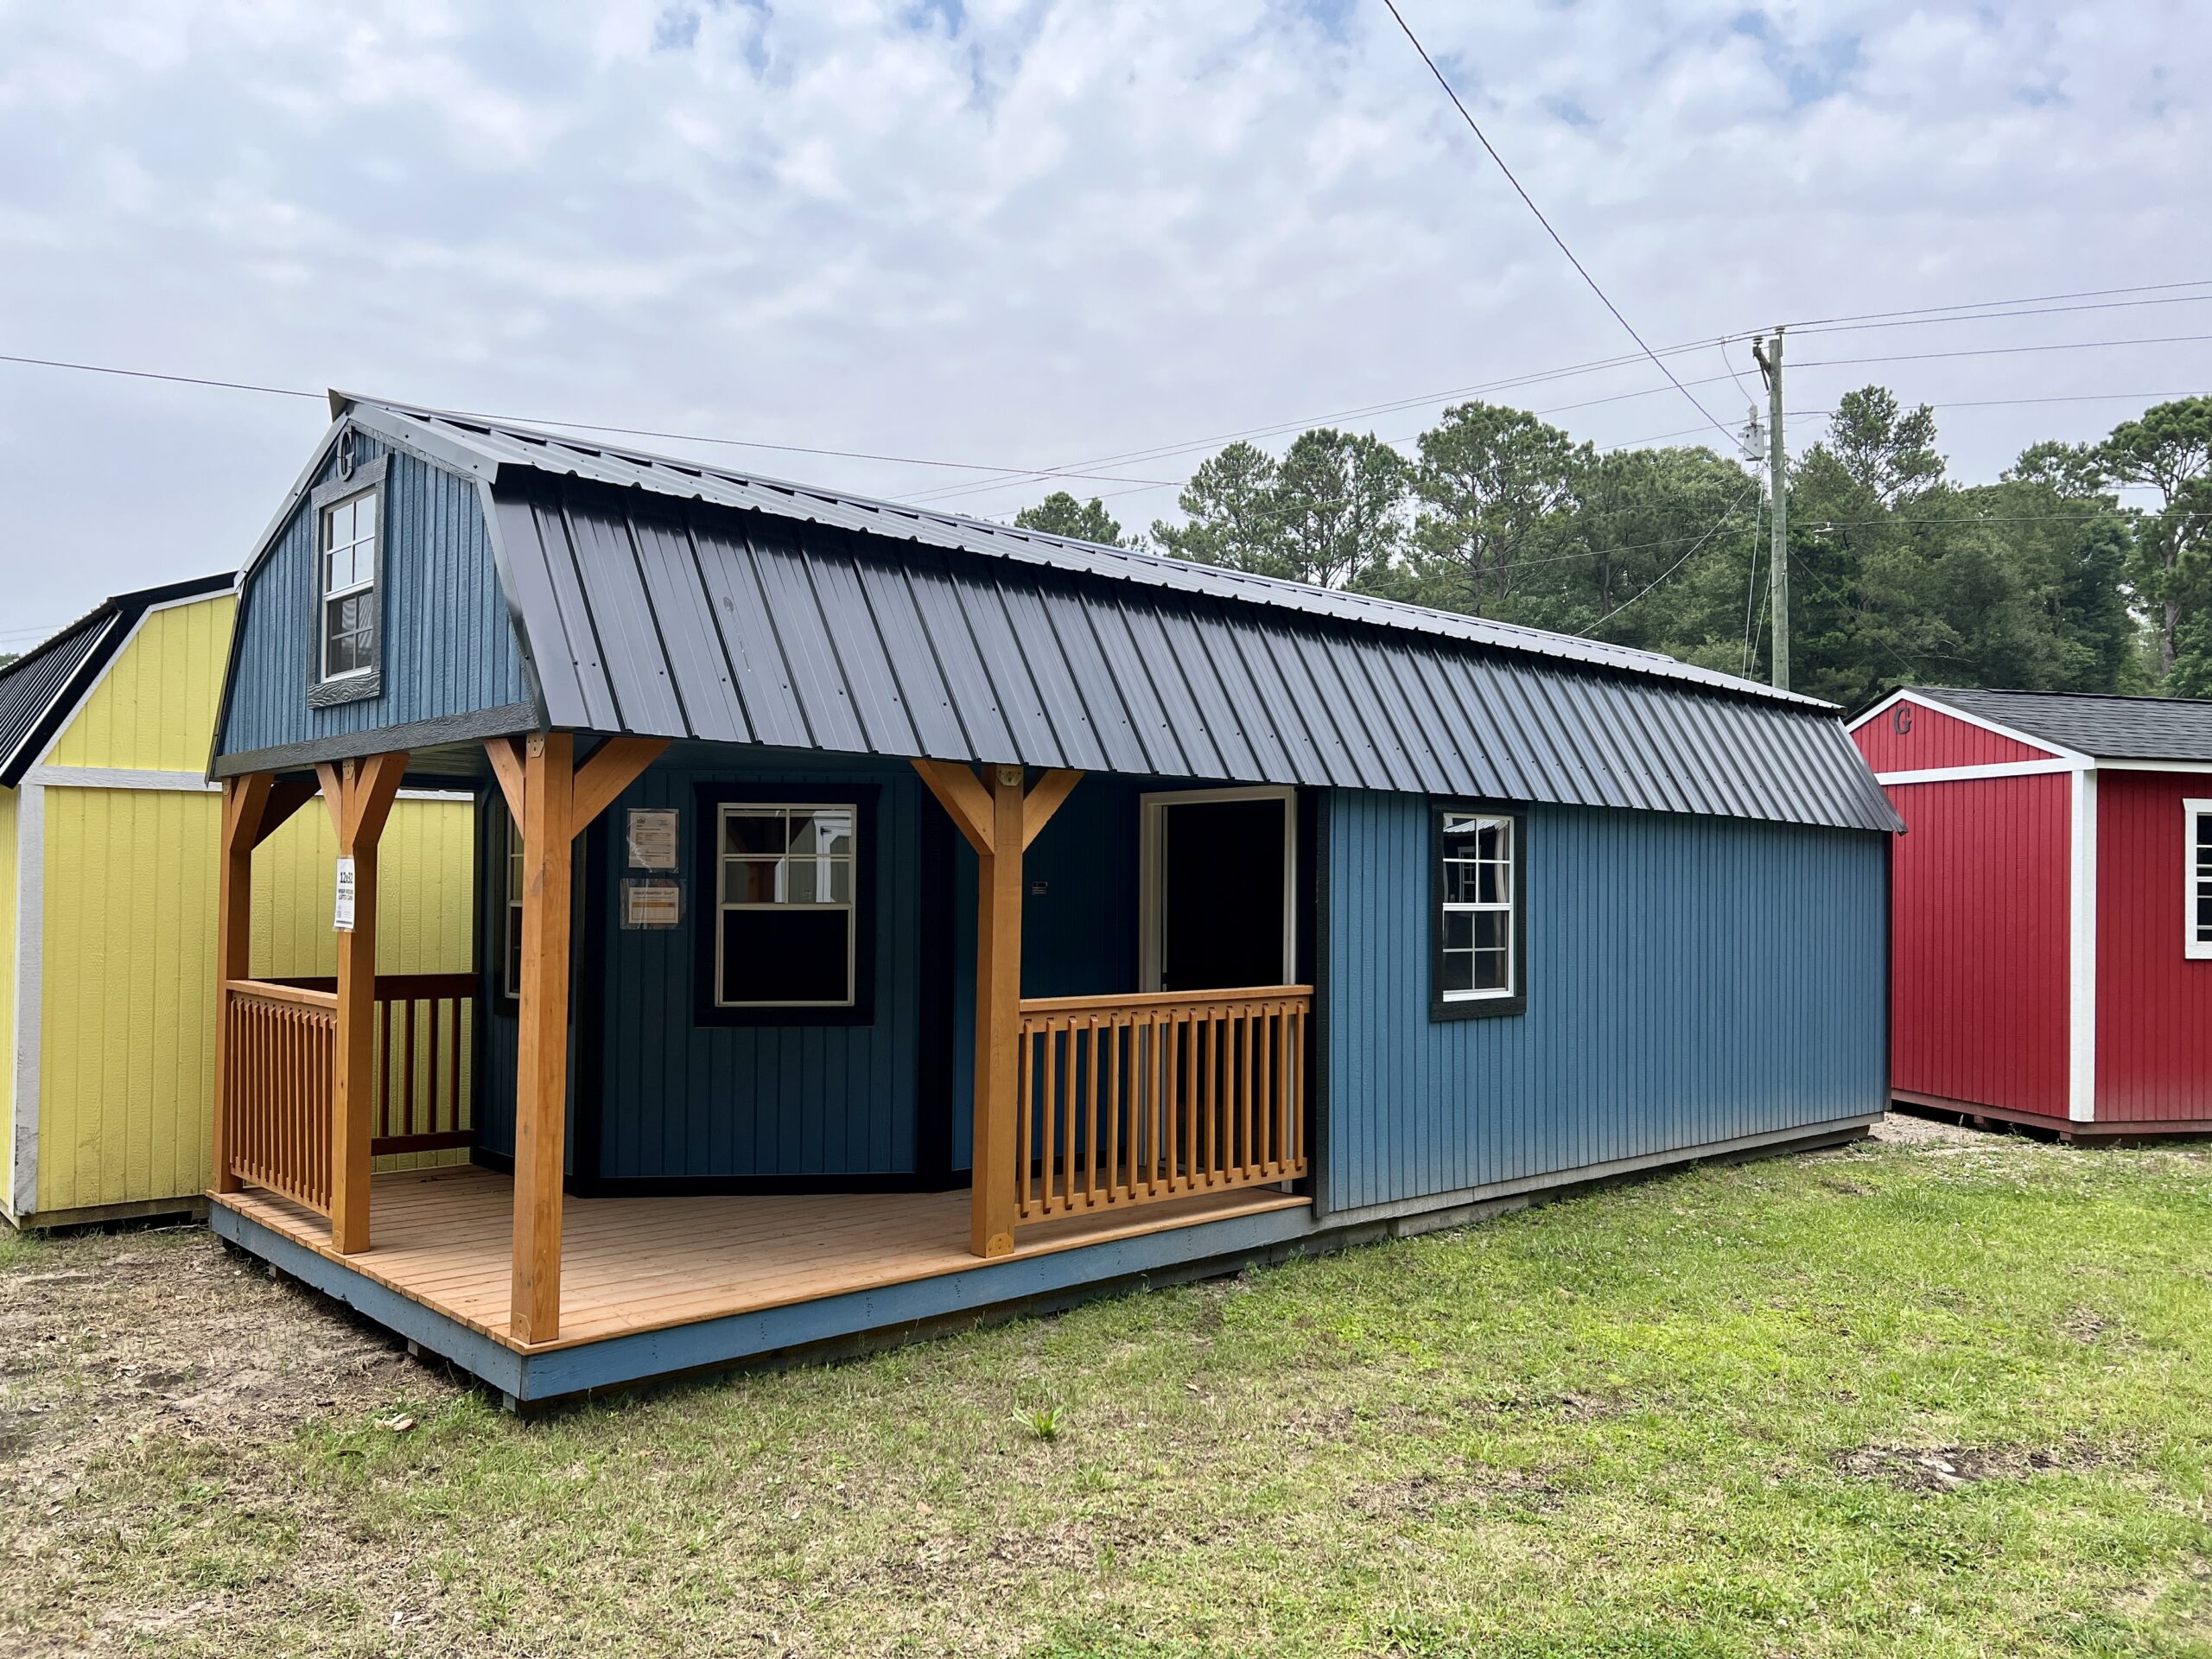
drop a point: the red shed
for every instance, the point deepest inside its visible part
(2051, 905)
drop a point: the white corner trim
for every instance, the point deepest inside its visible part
(2192, 948)
(188, 783)
(119, 778)
(30, 966)
(1996, 769)
(2082, 971)
(1939, 707)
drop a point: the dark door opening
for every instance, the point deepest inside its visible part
(1222, 894)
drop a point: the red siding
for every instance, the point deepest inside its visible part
(1978, 987)
(1935, 740)
(2154, 1006)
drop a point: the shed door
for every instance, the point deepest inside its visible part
(1218, 866)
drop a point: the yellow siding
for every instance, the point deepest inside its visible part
(127, 1011)
(155, 708)
(9, 800)
(127, 1084)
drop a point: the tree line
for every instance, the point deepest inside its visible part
(2043, 580)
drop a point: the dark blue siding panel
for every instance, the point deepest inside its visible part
(1691, 980)
(449, 648)
(682, 1100)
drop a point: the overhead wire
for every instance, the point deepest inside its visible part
(1529, 201)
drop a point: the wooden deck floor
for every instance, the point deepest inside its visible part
(442, 1238)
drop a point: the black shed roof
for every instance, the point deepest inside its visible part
(667, 598)
(2105, 728)
(41, 688)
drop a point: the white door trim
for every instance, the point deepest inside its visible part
(1152, 872)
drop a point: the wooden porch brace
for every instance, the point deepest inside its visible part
(553, 801)
(359, 794)
(254, 807)
(999, 821)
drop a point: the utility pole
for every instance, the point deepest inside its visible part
(1768, 354)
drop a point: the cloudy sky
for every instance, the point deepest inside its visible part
(1025, 233)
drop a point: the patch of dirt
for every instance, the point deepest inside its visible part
(1907, 1129)
(145, 1331)
(1948, 1468)
(1567, 1408)
(1419, 1496)
(2085, 1325)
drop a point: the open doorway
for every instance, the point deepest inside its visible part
(1219, 872)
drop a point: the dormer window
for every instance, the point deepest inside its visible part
(349, 587)
(346, 664)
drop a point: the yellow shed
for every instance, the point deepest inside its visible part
(108, 864)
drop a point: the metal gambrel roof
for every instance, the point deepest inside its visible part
(666, 598)
(2103, 727)
(41, 689)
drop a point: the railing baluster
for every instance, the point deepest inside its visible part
(1131, 1101)
(1025, 1047)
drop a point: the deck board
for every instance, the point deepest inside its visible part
(443, 1237)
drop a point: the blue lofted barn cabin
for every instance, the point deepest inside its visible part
(886, 918)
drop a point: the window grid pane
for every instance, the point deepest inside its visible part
(1477, 921)
(791, 862)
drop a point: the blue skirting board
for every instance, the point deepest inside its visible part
(617, 1361)
(1053, 1278)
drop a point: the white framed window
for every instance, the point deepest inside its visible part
(786, 922)
(347, 629)
(2196, 880)
(1477, 962)
(511, 914)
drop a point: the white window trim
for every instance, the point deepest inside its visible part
(323, 550)
(1152, 873)
(1505, 906)
(2193, 947)
(850, 905)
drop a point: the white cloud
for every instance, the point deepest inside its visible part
(1025, 230)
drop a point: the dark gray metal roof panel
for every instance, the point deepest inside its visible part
(728, 608)
(2107, 728)
(490, 445)
(830, 640)
(33, 686)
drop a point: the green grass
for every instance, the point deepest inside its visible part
(1708, 1414)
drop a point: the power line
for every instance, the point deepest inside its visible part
(2022, 299)
(1558, 241)
(587, 426)
(1713, 531)
(149, 374)
(1999, 317)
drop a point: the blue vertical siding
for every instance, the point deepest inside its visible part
(683, 1100)
(1690, 980)
(449, 648)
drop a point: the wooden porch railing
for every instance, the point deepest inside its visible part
(283, 1034)
(279, 1040)
(423, 1046)
(1130, 1100)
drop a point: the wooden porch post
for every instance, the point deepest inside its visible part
(254, 807)
(359, 794)
(554, 802)
(999, 822)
